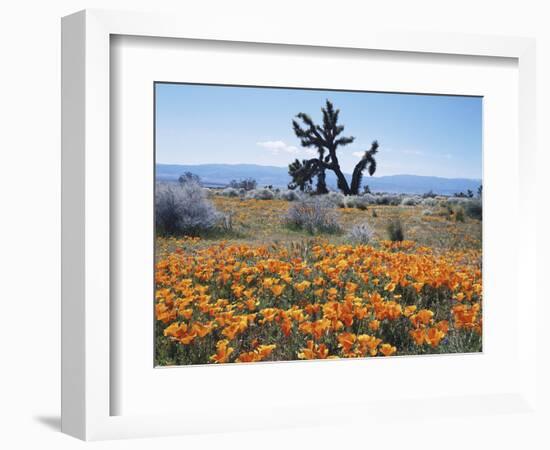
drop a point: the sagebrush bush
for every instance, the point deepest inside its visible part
(443, 211)
(411, 201)
(361, 203)
(289, 195)
(337, 199)
(230, 192)
(457, 200)
(459, 215)
(313, 215)
(361, 233)
(357, 201)
(183, 209)
(369, 198)
(388, 199)
(474, 209)
(429, 201)
(261, 194)
(395, 230)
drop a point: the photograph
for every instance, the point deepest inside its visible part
(293, 224)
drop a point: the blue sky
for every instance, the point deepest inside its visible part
(418, 134)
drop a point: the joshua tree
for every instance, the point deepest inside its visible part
(301, 174)
(326, 140)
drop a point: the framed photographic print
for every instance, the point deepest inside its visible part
(289, 229)
(276, 241)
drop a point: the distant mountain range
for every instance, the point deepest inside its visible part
(219, 175)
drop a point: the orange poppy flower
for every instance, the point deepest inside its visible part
(387, 349)
(277, 289)
(223, 351)
(302, 286)
(313, 351)
(409, 310)
(434, 336)
(374, 325)
(418, 335)
(346, 341)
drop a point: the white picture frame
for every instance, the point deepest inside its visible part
(86, 218)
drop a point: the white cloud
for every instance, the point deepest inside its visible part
(310, 151)
(277, 147)
(358, 154)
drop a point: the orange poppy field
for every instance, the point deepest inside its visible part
(264, 292)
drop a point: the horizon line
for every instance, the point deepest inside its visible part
(345, 173)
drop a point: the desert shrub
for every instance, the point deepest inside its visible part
(349, 201)
(354, 201)
(361, 203)
(395, 200)
(288, 195)
(410, 201)
(336, 198)
(459, 215)
(457, 200)
(474, 209)
(230, 192)
(374, 213)
(313, 215)
(427, 212)
(444, 210)
(370, 198)
(382, 200)
(388, 199)
(395, 230)
(261, 194)
(187, 177)
(358, 201)
(361, 233)
(247, 184)
(183, 209)
(429, 201)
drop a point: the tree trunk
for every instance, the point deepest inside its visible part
(355, 181)
(321, 182)
(335, 166)
(342, 182)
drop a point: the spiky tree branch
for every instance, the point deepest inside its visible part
(302, 173)
(367, 162)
